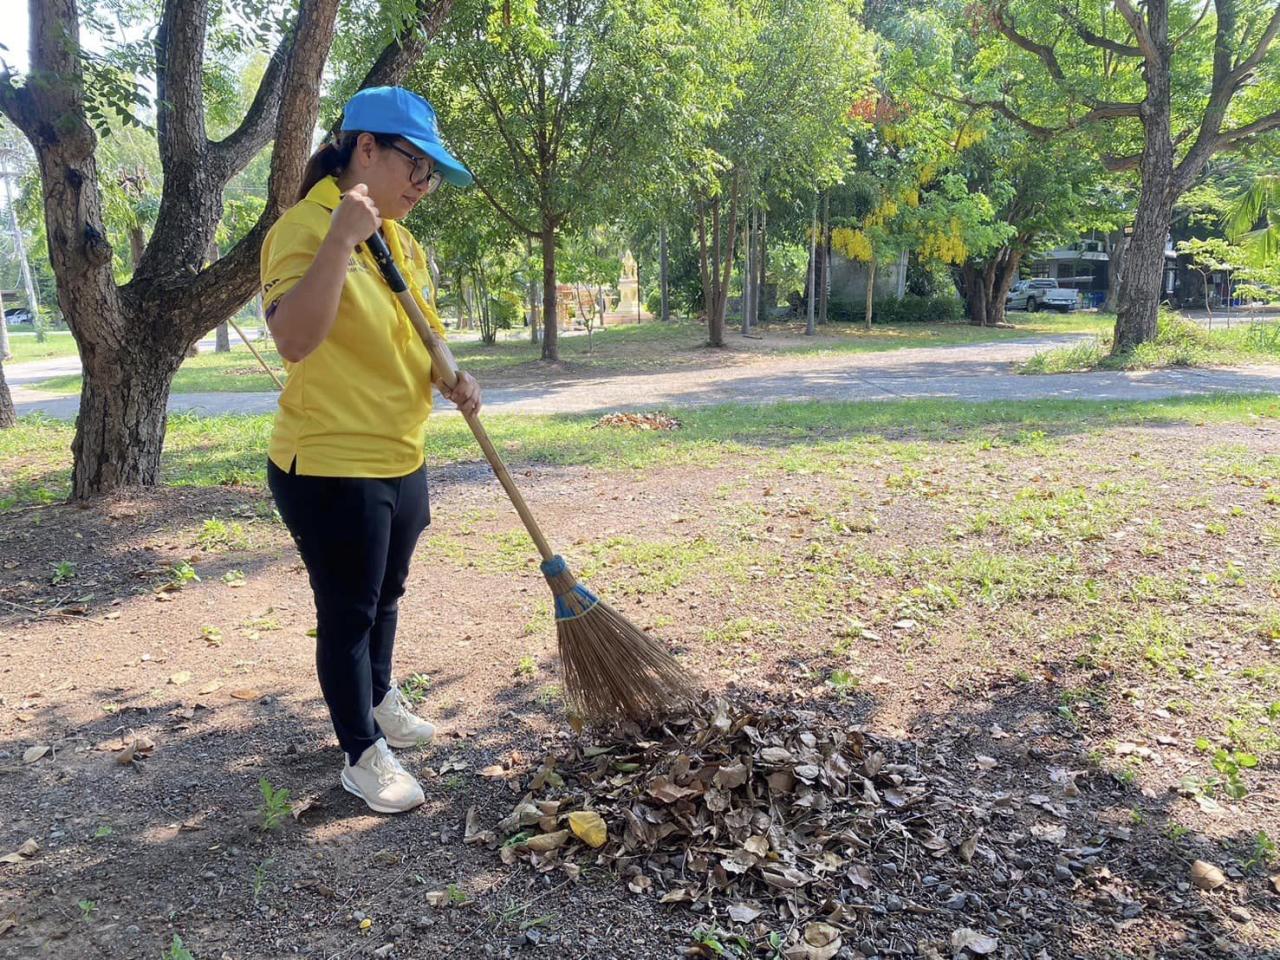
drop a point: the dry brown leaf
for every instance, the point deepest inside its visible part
(210, 687)
(246, 694)
(758, 846)
(137, 749)
(731, 777)
(589, 827)
(25, 852)
(743, 913)
(496, 771)
(181, 677)
(639, 884)
(668, 792)
(1206, 876)
(32, 754)
(7, 924)
(299, 807)
(679, 895)
(437, 898)
(1275, 883)
(973, 941)
(473, 832)
(546, 842)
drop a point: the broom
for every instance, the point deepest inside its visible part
(612, 669)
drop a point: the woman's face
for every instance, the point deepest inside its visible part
(390, 174)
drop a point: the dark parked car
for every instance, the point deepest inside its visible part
(18, 315)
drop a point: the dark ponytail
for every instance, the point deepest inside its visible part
(333, 157)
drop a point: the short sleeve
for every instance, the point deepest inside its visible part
(289, 250)
(421, 267)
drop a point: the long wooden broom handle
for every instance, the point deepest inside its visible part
(445, 369)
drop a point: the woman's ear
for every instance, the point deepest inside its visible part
(366, 150)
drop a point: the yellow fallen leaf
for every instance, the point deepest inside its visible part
(366, 923)
(589, 827)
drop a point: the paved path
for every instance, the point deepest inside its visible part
(974, 372)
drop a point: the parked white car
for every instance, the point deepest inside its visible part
(1031, 295)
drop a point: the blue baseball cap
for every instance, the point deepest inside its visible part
(402, 112)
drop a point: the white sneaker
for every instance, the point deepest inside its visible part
(399, 726)
(379, 780)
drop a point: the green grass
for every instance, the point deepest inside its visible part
(35, 455)
(23, 346)
(233, 372)
(636, 348)
(1178, 343)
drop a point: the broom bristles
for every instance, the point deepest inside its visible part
(612, 669)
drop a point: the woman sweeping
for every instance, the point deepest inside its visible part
(346, 453)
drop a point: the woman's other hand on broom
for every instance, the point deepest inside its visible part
(465, 393)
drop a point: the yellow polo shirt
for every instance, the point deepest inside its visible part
(357, 405)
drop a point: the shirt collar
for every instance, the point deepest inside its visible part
(327, 194)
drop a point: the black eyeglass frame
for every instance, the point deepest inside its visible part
(433, 178)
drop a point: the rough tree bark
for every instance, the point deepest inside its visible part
(133, 337)
(7, 416)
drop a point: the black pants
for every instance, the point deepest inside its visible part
(356, 536)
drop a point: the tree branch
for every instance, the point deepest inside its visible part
(230, 155)
(1263, 124)
(1140, 32)
(1044, 52)
(1096, 40)
(227, 283)
(406, 48)
(179, 47)
(503, 212)
(15, 103)
(1204, 11)
(1246, 67)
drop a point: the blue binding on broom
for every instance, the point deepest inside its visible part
(578, 601)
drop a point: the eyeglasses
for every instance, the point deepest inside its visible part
(424, 170)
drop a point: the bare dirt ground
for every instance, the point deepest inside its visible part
(1071, 639)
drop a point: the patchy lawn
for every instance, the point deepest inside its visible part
(1046, 635)
(1178, 343)
(24, 347)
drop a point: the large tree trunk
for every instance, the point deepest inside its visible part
(1142, 282)
(550, 322)
(975, 294)
(120, 428)
(1006, 275)
(7, 416)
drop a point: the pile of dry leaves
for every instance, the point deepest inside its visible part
(745, 815)
(639, 421)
